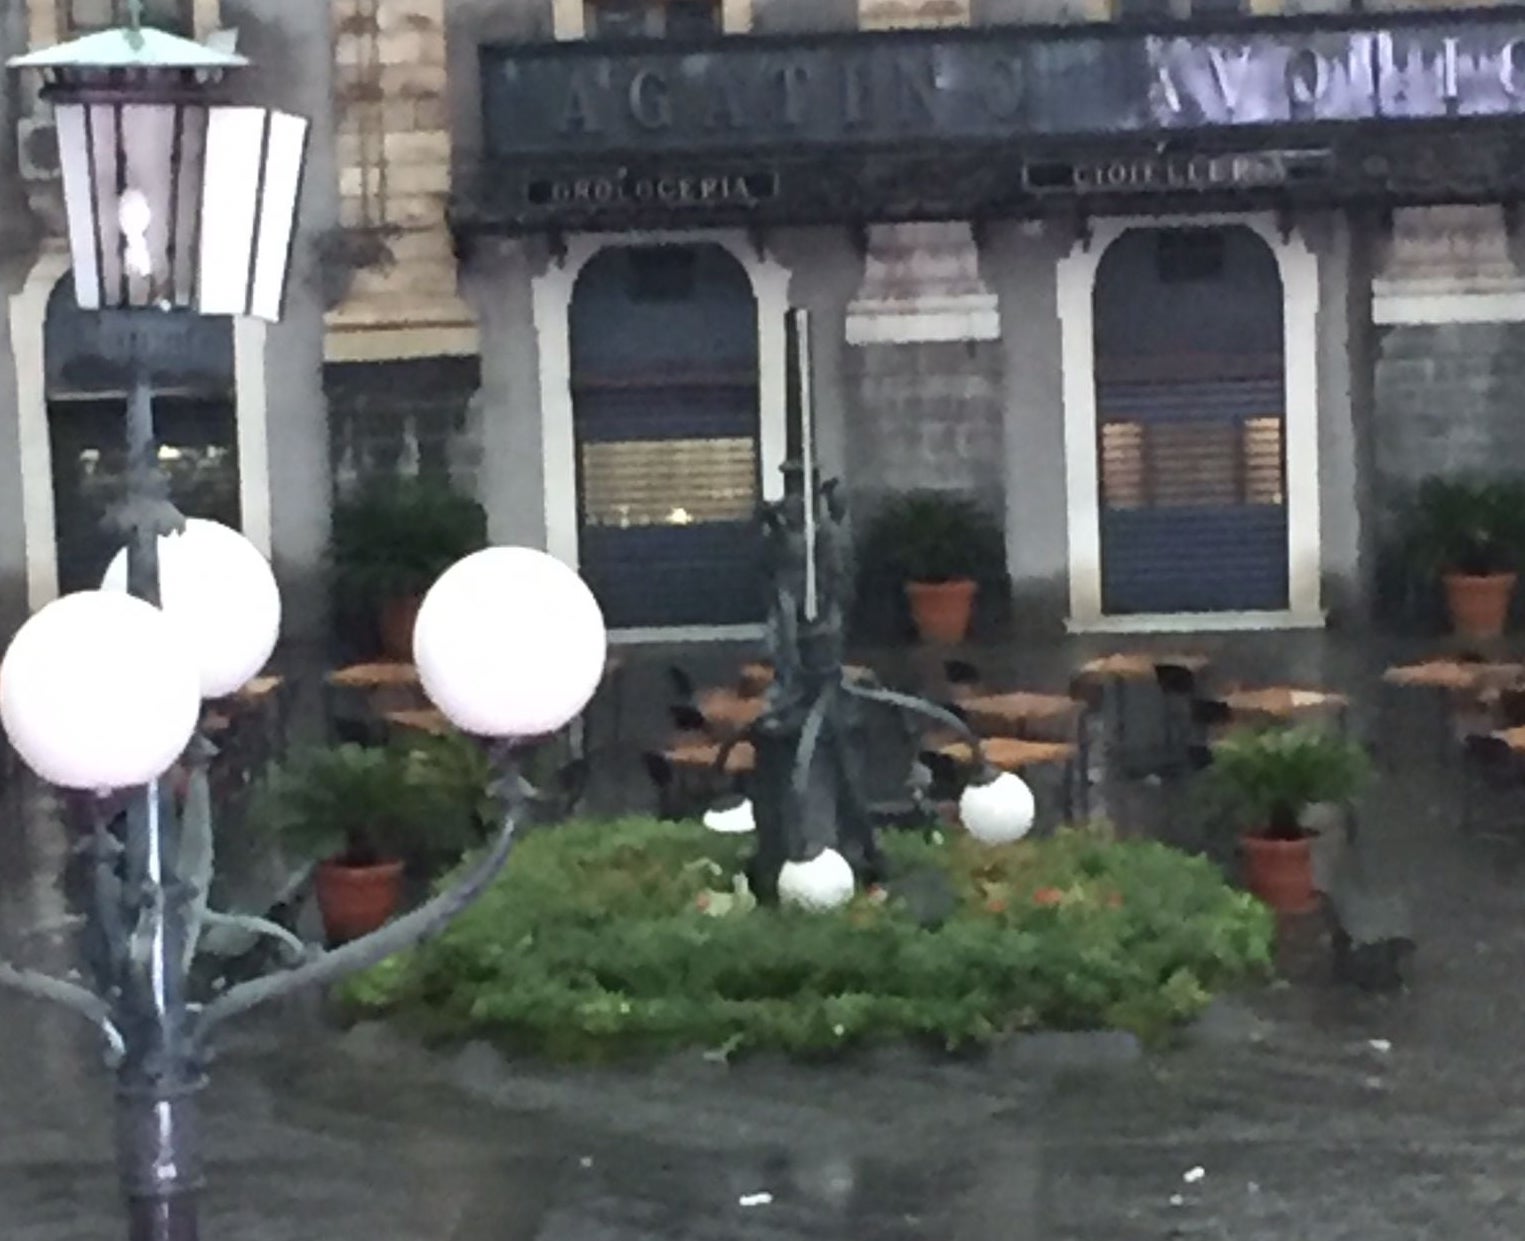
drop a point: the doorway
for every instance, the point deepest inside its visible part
(88, 362)
(665, 406)
(1190, 376)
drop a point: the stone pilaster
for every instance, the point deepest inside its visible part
(1449, 264)
(392, 255)
(921, 282)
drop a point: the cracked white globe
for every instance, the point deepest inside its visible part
(98, 691)
(510, 643)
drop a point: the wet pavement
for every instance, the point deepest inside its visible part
(1312, 1112)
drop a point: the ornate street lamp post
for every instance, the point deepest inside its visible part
(816, 830)
(179, 204)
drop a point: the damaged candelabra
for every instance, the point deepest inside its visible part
(178, 205)
(816, 827)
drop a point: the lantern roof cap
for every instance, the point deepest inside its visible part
(130, 48)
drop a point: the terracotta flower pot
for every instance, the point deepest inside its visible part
(1280, 872)
(396, 622)
(941, 610)
(1479, 604)
(356, 900)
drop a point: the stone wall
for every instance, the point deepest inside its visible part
(1450, 398)
(925, 415)
(923, 370)
(1449, 348)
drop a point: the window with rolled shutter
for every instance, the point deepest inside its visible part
(1190, 396)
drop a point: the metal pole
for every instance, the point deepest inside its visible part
(159, 1077)
(807, 459)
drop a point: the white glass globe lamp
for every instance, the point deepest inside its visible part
(998, 811)
(510, 643)
(98, 692)
(824, 883)
(731, 820)
(220, 591)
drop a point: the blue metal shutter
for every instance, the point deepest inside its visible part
(665, 400)
(1193, 513)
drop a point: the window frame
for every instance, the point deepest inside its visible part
(653, 16)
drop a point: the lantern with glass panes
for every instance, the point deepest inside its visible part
(175, 198)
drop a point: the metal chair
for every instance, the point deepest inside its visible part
(681, 684)
(1207, 716)
(1489, 763)
(1178, 690)
(688, 719)
(963, 677)
(1511, 712)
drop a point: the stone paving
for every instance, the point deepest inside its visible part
(1311, 1112)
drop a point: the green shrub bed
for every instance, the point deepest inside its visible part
(603, 939)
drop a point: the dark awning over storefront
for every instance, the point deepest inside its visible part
(1000, 121)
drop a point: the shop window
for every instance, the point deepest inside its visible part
(197, 451)
(1264, 462)
(83, 17)
(1194, 463)
(653, 19)
(668, 482)
(1141, 10)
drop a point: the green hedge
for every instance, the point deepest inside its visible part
(610, 938)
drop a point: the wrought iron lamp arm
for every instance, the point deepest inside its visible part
(424, 923)
(920, 706)
(299, 949)
(810, 738)
(77, 999)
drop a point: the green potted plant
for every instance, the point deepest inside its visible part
(455, 773)
(1470, 532)
(1275, 776)
(937, 547)
(362, 814)
(392, 541)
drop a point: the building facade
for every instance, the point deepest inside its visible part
(1188, 298)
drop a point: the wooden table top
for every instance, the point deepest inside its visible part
(701, 756)
(260, 687)
(1009, 754)
(374, 676)
(730, 709)
(1018, 706)
(756, 677)
(1282, 701)
(426, 720)
(1458, 674)
(1136, 666)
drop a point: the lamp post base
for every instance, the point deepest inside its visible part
(163, 1219)
(158, 1144)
